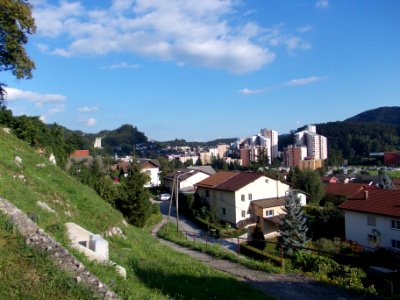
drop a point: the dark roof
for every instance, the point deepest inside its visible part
(327, 179)
(274, 220)
(269, 202)
(375, 201)
(205, 169)
(187, 174)
(143, 162)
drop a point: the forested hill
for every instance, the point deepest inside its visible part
(385, 115)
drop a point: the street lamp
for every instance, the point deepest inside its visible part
(177, 198)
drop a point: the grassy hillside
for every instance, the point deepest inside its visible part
(154, 271)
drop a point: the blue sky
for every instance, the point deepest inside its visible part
(201, 70)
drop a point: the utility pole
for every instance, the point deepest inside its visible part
(172, 197)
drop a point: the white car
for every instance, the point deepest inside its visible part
(165, 197)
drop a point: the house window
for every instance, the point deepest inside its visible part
(396, 224)
(207, 193)
(243, 214)
(269, 213)
(371, 220)
(242, 198)
(372, 239)
(223, 211)
(396, 244)
(250, 197)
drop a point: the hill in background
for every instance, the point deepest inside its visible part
(384, 115)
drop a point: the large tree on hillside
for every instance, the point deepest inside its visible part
(134, 199)
(293, 227)
(16, 23)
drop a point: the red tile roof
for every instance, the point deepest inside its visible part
(80, 153)
(376, 201)
(347, 189)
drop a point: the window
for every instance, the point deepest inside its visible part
(396, 224)
(269, 213)
(223, 211)
(207, 193)
(371, 220)
(250, 197)
(396, 244)
(242, 198)
(243, 214)
(372, 239)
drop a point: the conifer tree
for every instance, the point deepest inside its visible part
(385, 182)
(134, 200)
(292, 228)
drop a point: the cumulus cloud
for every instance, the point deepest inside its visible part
(87, 108)
(290, 83)
(322, 3)
(199, 33)
(36, 98)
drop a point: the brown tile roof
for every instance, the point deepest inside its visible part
(216, 179)
(376, 201)
(237, 182)
(269, 202)
(346, 189)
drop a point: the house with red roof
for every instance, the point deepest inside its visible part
(244, 198)
(372, 218)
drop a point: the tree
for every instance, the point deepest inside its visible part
(309, 182)
(134, 200)
(293, 227)
(16, 22)
(385, 182)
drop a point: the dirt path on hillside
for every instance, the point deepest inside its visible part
(281, 286)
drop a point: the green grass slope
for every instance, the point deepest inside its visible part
(153, 271)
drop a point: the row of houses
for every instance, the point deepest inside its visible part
(372, 214)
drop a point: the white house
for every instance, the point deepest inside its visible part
(231, 195)
(187, 179)
(372, 218)
(152, 168)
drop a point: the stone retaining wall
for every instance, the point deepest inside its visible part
(37, 238)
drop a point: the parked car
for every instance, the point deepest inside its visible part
(165, 197)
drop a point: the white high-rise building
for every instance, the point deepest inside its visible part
(272, 135)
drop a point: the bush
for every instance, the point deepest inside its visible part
(253, 252)
(327, 269)
(334, 246)
(155, 208)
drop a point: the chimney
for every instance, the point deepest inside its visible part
(365, 194)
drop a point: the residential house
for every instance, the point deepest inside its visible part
(152, 168)
(188, 178)
(329, 179)
(372, 218)
(269, 213)
(347, 190)
(231, 194)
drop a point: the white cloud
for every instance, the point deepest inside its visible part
(253, 92)
(189, 32)
(290, 83)
(121, 65)
(303, 81)
(37, 98)
(322, 4)
(87, 108)
(90, 122)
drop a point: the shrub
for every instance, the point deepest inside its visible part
(253, 252)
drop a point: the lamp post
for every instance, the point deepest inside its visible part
(177, 198)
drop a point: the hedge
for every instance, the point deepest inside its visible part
(252, 252)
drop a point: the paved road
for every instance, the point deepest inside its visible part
(187, 226)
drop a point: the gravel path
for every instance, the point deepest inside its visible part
(281, 286)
